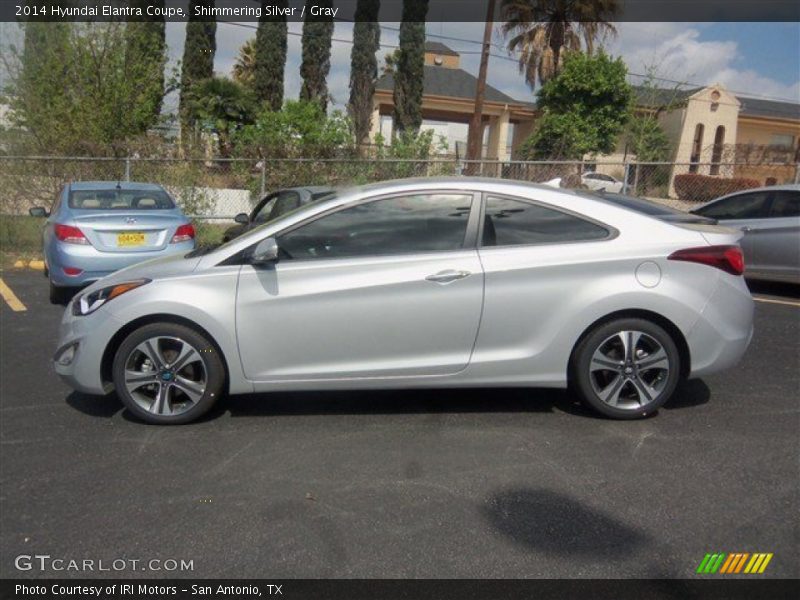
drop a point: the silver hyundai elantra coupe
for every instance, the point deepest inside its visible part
(420, 283)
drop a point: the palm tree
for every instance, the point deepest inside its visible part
(543, 30)
(245, 65)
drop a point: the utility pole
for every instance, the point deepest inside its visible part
(475, 135)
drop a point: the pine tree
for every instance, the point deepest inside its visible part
(198, 60)
(145, 59)
(409, 68)
(364, 66)
(317, 34)
(270, 57)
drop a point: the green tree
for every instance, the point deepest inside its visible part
(38, 80)
(270, 57)
(221, 106)
(317, 34)
(198, 60)
(300, 130)
(145, 59)
(543, 31)
(77, 88)
(409, 66)
(245, 65)
(584, 109)
(364, 67)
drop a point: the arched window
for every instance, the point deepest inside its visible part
(716, 154)
(697, 147)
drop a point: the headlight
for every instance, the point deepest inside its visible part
(88, 303)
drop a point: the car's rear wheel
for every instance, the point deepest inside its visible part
(166, 373)
(626, 369)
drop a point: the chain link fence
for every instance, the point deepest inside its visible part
(218, 189)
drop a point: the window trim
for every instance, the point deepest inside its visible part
(469, 241)
(612, 232)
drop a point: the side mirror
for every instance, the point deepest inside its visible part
(265, 252)
(242, 218)
(38, 211)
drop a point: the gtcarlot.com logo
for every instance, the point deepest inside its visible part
(45, 562)
(734, 563)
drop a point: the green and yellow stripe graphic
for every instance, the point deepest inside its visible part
(736, 562)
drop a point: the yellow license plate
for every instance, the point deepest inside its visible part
(130, 239)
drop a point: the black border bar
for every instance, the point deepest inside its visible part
(393, 589)
(391, 10)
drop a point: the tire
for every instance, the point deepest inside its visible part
(60, 295)
(181, 374)
(624, 384)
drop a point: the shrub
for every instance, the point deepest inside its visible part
(702, 188)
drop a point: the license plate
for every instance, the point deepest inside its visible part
(130, 239)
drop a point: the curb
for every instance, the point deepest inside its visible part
(36, 265)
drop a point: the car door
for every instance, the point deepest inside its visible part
(388, 287)
(748, 211)
(533, 256)
(778, 236)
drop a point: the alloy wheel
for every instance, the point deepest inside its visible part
(629, 370)
(165, 375)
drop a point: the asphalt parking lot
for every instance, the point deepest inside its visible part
(462, 483)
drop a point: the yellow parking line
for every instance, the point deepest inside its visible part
(10, 297)
(771, 301)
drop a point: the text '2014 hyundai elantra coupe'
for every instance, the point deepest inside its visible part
(420, 283)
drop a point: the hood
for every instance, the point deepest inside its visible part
(157, 268)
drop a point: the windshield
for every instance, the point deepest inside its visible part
(120, 200)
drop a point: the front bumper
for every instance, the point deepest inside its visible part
(88, 336)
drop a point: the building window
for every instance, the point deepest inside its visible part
(697, 147)
(784, 141)
(716, 154)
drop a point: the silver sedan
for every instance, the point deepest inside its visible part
(420, 283)
(770, 220)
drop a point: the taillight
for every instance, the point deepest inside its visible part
(184, 233)
(728, 258)
(70, 234)
(72, 271)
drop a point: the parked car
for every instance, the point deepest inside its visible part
(654, 209)
(436, 282)
(770, 220)
(273, 206)
(97, 227)
(601, 181)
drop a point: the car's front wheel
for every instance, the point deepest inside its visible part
(626, 369)
(167, 373)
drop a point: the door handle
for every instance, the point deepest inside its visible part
(448, 276)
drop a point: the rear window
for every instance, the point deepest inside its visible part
(642, 206)
(120, 200)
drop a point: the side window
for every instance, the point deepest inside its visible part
(284, 203)
(514, 222)
(785, 204)
(401, 225)
(743, 206)
(263, 213)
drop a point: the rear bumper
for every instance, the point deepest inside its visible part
(723, 332)
(94, 264)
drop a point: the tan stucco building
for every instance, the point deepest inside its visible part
(707, 127)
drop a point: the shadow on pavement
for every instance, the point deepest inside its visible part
(425, 401)
(690, 393)
(550, 522)
(774, 288)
